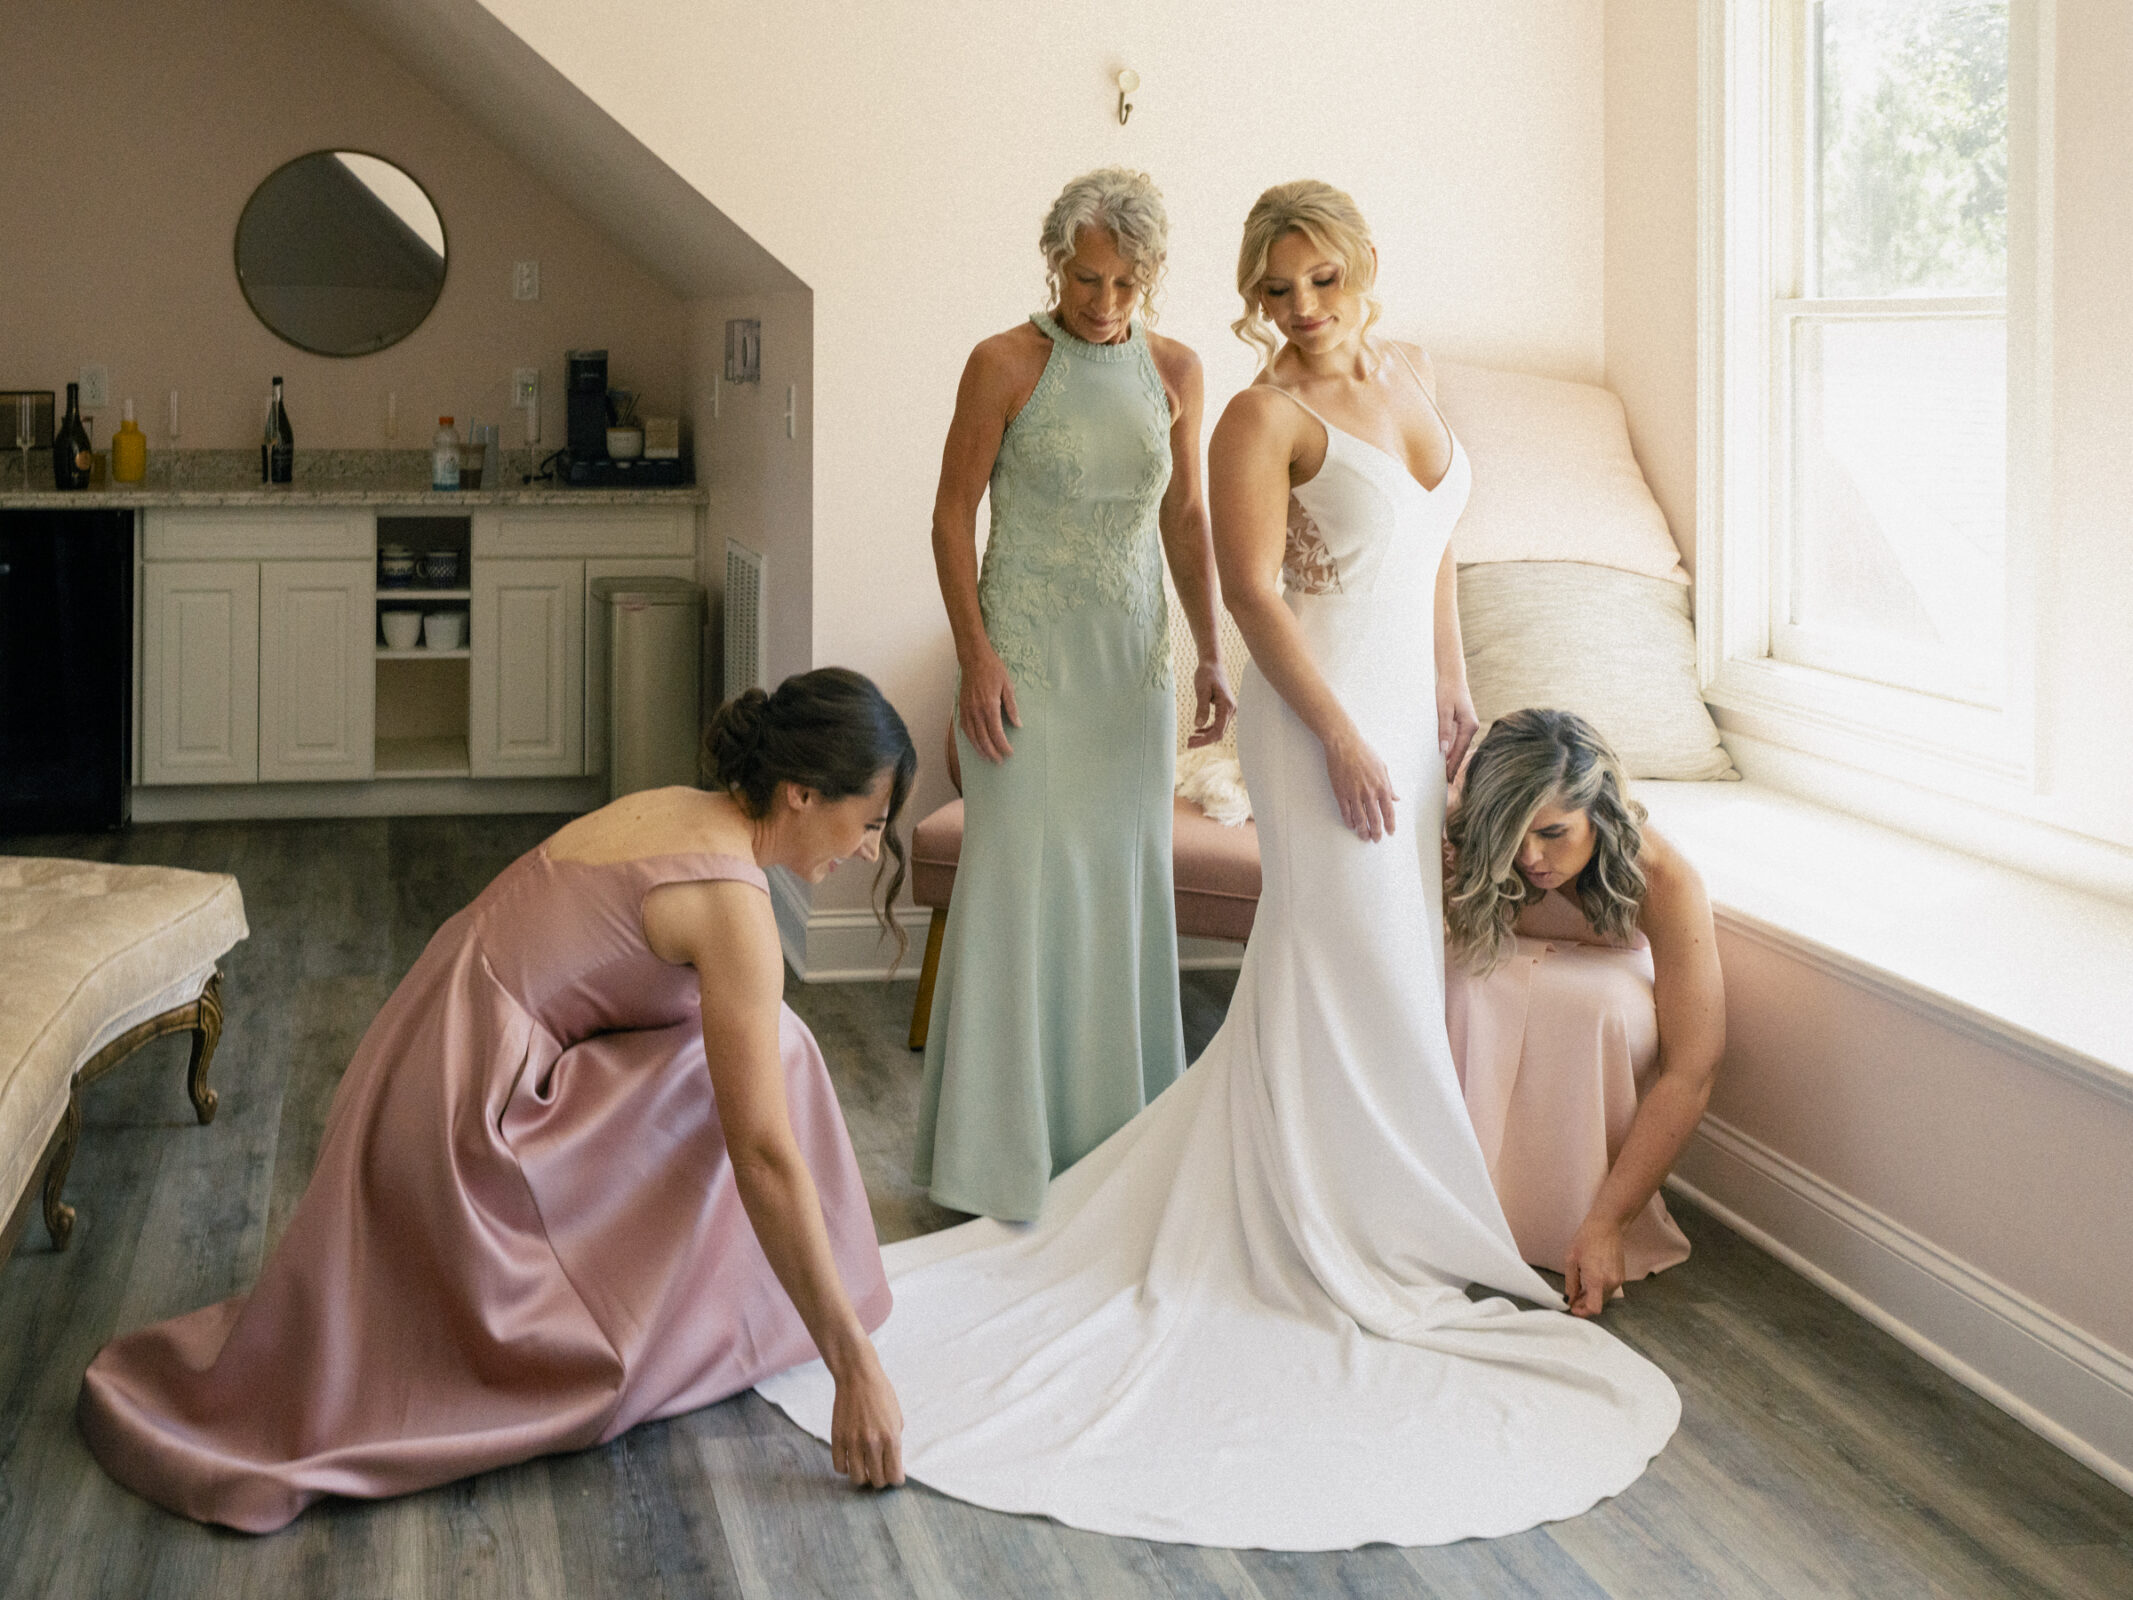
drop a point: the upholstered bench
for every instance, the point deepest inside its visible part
(95, 961)
(1215, 872)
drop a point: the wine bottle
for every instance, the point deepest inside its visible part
(71, 457)
(277, 447)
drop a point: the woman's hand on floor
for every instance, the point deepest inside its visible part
(867, 1425)
(1594, 1268)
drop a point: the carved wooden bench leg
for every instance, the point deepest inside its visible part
(922, 1008)
(202, 1018)
(207, 1033)
(58, 1215)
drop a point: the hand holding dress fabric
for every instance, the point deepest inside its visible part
(1595, 1269)
(985, 706)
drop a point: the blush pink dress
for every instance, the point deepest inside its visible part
(522, 1235)
(1553, 1050)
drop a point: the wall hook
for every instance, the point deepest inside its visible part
(1128, 81)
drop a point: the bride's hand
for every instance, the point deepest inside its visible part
(1361, 786)
(867, 1425)
(1457, 723)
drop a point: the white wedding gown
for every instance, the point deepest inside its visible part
(1241, 1320)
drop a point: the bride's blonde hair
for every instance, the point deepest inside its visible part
(1529, 759)
(1330, 219)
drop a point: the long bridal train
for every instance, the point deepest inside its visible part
(1242, 1320)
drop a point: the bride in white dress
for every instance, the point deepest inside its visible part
(1242, 1320)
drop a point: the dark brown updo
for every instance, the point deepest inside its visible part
(829, 730)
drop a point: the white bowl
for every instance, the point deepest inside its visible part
(403, 629)
(444, 630)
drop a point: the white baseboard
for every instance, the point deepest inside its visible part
(2039, 1368)
(1209, 955)
(390, 797)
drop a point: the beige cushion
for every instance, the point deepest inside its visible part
(82, 945)
(1612, 646)
(1554, 476)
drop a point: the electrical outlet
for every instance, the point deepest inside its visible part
(95, 388)
(525, 387)
(526, 280)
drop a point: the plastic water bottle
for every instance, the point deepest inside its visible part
(444, 456)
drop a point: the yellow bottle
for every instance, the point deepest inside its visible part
(129, 450)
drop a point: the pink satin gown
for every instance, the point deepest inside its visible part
(1553, 1049)
(522, 1236)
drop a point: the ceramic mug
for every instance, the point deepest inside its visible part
(396, 566)
(440, 568)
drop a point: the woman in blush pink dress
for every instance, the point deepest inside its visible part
(1583, 997)
(585, 1169)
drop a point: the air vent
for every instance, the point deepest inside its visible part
(744, 619)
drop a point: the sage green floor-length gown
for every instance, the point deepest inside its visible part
(1056, 1008)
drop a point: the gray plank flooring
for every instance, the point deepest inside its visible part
(1816, 1456)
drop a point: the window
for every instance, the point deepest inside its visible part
(1889, 339)
(1873, 320)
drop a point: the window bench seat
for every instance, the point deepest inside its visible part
(1926, 1100)
(2027, 965)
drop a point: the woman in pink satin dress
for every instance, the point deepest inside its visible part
(585, 1169)
(1583, 999)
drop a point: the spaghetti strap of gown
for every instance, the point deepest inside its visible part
(1243, 1319)
(522, 1234)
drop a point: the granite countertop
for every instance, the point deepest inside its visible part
(323, 478)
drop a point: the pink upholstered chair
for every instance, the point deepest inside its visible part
(1215, 868)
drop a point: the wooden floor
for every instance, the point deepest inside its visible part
(1816, 1455)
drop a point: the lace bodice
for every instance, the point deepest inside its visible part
(1075, 492)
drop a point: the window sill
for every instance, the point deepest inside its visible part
(2023, 964)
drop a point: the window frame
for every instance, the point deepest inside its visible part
(1751, 222)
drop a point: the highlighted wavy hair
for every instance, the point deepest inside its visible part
(1330, 219)
(1527, 760)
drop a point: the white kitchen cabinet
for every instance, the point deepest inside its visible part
(200, 672)
(526, 690)
(317, 682)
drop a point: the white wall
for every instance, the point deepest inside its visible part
(898, 159)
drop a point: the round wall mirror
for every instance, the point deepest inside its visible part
(340, 253)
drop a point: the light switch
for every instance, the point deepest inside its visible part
(526, 280)
(95, 388)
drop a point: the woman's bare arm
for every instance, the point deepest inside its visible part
(727, 932)
(1187, 544)
(1248, 481)
(1690, 993)
(996, 382)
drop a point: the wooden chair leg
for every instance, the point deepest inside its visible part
(58, 1215)
(207, 1033)
(922, 1008)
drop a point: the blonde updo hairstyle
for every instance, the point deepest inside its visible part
(1330, 219)
(1527, 760)
(1128, 206)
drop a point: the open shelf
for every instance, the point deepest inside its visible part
(431, 756)
(423, 653)
(394, 596)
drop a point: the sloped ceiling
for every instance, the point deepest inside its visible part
(503, 86)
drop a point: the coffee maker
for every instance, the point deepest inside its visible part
(586, 463)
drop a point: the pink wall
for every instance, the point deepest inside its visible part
(134, 133)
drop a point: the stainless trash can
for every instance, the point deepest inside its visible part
(654, 680)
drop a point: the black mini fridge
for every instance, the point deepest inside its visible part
(66, 670)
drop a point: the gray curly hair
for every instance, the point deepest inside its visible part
(1128, 206)
(1529, 759)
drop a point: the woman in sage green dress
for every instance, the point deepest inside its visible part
(1055, 1015)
